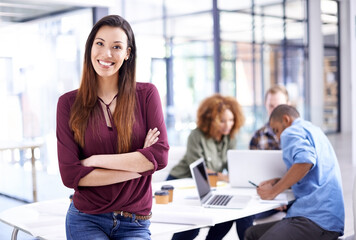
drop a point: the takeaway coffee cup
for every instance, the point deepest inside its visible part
(170, 189)
(162, 197)
(213, 179)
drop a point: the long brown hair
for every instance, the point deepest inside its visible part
(210, 111)
(87, 96)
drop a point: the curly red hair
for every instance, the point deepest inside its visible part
(210, 112)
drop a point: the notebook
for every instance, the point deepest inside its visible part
(211, 199)
(255, 166)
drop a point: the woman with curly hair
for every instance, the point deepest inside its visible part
(219, 118)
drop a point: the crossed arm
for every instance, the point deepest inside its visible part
(114, 168)
(271, 188)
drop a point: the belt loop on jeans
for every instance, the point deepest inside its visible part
(133, 217)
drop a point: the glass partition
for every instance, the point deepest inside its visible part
(192, 82)
(267, 45)
(261, 42)
(330, 26)
(186, 7)
(42, 64)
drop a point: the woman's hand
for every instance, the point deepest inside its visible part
(88, 162)
(223, 177)
(151, 137)
(103, 160)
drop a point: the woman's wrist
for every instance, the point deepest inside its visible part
(223, 177)
(94, 161)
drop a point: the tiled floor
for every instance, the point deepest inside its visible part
(50, 187)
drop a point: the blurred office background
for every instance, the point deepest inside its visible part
(189, 50)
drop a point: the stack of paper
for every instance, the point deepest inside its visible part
(282, 198)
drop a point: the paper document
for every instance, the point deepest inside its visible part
(282, 198)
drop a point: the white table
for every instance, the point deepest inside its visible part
(46, 220)
(185, 212)
(23, 145)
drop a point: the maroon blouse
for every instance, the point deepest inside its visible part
(133, 196)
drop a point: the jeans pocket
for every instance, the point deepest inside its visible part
(143, 223)
(73, 210)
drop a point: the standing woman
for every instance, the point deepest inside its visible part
(107, 151)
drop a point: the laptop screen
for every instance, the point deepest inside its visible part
(201, 178)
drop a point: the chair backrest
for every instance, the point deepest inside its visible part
(175, 154)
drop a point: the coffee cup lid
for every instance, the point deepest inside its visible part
(213, 174)
(161, 193)
(167, 187)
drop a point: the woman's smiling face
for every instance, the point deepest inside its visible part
(109, 50)
(227, 121)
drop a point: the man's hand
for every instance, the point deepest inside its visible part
(268, 190)
(281, 208)
(151, 137)
(265, 189)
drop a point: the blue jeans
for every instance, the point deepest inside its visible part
(104, 226)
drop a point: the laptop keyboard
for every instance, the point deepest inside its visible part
(220, 200)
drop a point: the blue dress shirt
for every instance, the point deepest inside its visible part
(318, 194)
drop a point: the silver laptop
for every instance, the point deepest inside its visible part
(213, 199)
(254, 166)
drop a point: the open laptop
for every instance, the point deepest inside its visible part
(213, 199)
(255, 166)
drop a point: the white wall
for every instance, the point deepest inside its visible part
(117, 8)
(345, 66)
(348, 72)
(316, 53)
(353, 75)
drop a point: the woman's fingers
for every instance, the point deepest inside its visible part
(151, 137)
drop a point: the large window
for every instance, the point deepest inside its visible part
(269, 48)
(261, 43)
(175, 52)
(36, 67)
(330, 26)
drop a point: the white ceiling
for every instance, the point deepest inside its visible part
(12, 11)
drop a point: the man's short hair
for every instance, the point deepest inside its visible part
(276, 89)
(282, 110)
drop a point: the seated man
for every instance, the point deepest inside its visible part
(264, 138)
(314, 175)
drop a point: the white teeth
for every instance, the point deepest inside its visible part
(105, 63)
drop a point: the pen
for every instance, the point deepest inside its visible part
(254, 184)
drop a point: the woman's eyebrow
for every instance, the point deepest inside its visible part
(118, 41)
